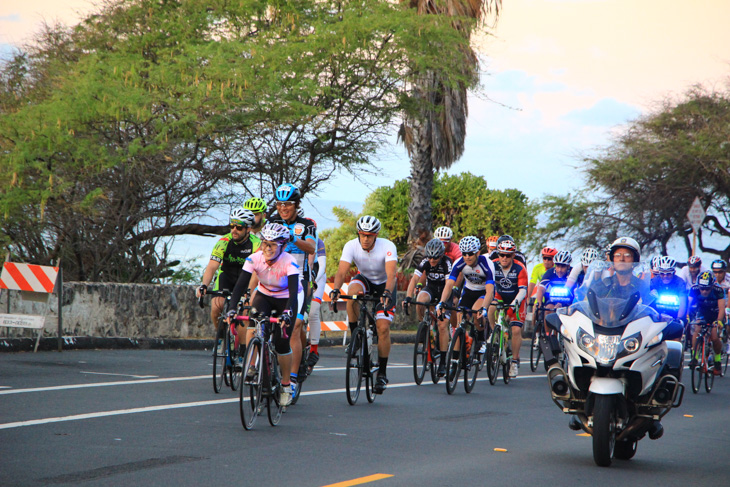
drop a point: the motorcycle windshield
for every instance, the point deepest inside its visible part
(614, 295)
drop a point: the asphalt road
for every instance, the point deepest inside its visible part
(150, 417)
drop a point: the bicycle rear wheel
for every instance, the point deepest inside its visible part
(236, 359)
(302, 376)
(435, 359)
(507, 361)
(219, 361)
(471, 369)
(274, 407)
(251, 385)
(453, 360)
(535, 349)
(493, 355)
(420, 353)
(354, 367)
(724, 359)
(696, 371)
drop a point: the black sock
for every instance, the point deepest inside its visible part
(352, 325)
(382, 365)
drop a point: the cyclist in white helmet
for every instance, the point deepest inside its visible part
(377, 262)
(691, 271)
(227, 259)
(578, 273)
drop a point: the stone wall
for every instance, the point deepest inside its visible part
(129, 310)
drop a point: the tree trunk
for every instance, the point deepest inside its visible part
(419, 209)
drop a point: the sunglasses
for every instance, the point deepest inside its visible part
(284, 203)
(665, 274)
(507, 255)
(238, 227)
(367, 234)
(468, 254)
(549, 259)
(270, 245)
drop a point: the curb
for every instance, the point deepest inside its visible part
(50, 344)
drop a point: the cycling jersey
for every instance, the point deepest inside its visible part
(452, 251)
(551, 282)
(476, 277)
(705, 308)
(508, 284)
(231, 257)
(273, 278)
(725, 285)
(576, 276)
(301, 228)
(435, 275)
(519, 257)
(663, 302)
(370, 264)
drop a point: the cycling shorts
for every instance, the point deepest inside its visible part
(376, 290)
(266, 305)
(511, 311)
(470, 296)
(434, 293)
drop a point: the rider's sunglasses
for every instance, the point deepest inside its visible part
(508, 255)
(549, 259)
(665, 274)
(367, 234)
(284, 203)
(469, 254)
(238, 227)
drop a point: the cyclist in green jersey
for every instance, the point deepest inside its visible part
(548, 253)
(227, 259)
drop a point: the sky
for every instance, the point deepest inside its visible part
(560, 77)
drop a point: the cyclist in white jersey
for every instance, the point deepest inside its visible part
(377, 262)
(691, 271)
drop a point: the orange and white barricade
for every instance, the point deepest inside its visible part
(335, 325)
(36, 283)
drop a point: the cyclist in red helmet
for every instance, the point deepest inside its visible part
(691, 271)
(548, 254)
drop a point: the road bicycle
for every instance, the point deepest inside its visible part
(226, 357)
(362, 352)
(261, 373)
(538, 335)
(702, 362)
(426, 353)
(499, 353)
(467, 357)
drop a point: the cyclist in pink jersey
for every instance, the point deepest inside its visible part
(279, 291)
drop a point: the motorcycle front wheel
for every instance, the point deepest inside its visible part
(604, 429)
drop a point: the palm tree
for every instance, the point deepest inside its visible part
(435, 138)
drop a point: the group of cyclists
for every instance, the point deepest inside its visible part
(281, 263)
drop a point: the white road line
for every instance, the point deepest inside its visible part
(122, 375)
(119, 412)
(103, 384)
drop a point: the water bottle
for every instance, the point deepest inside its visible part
(432, 339)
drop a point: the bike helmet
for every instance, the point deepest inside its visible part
(666, 264)
(368, 223)
(288, 192)
(506, 247)
(695, 261)
(435, 249)
(625, 243)
(718, 265)
(443, 232)
(588, 256)
(469, 244)
(257, 205)
(275, 232)
(240, 216)
(655, 263)
(492, 242)
(706, 279)
(563, 257)
(549, 252)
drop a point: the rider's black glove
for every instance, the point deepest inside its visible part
(387, 299)
(202, 289)
(335, 295)
(286, 317)
(231, 314)
(407, 300)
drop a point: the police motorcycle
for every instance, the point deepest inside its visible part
(622, 375)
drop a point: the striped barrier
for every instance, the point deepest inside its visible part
(31, 280)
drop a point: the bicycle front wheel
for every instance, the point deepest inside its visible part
(471, 369)
(435, 359)
(274, 407)
(236, 359)
(251, 384)
(420, 353)
(698, 358)
(354, 367)
(710, 361)
(453, 362)
(219, 363)
(535, 350)
(493, 353)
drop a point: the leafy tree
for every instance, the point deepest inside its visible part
(130, 127)
(643, 184)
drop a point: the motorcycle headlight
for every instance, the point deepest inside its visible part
(630, 345)
(603, 348)
(655, 341)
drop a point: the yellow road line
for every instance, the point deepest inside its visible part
(361, 480)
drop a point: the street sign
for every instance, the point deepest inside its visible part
(696, 214)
